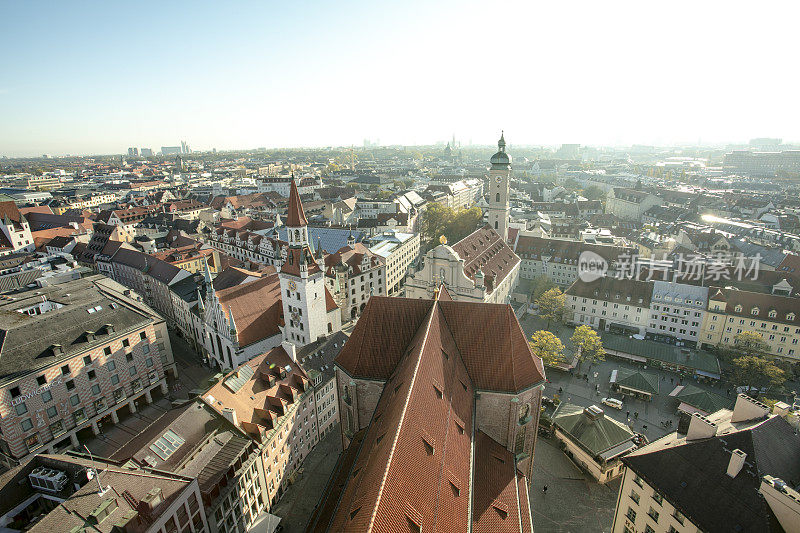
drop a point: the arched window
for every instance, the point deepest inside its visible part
(754, 311)
(497, 197)
(773, 314)
(495, 224)
(790, 316)
(738, 308)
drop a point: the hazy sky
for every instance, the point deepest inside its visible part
(81, 77)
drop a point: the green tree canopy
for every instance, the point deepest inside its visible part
(588, 344)
(750, 343)
(552, 304)
(547, 347)
(593, 192)
(541, 284)
(438, 220)
(753, 371)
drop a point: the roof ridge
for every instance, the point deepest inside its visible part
(431, 314)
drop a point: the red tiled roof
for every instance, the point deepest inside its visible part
(495, 506)
(484, 249)
(296, 217)
(293, 258)
(256, 306)
(414, 463)
(330, 303)
(10, 210)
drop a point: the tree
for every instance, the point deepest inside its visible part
(751, 371)
(750, 343)
(438, 220)
(594, 192)
(588, 344)
(552, 304)
(540, 285)
(547, 347)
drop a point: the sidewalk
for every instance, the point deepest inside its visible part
(573, 503)
(299, 500)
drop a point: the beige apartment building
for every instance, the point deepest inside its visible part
(773, 316)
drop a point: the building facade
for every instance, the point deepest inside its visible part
(91, 354)
(398, 251)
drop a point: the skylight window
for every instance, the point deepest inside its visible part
(167, 444)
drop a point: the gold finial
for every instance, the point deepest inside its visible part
(443, 239)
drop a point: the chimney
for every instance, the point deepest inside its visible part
(736, 463)
(230, 414)
(781, 409)
(290, 349)
(700, 427)
(747, 408)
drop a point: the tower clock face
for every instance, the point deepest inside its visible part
(499, 179)
(292, 285)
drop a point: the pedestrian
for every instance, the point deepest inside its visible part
(672, 380)
(628, 414)
(644, 427)
(544, 489)
(636, 415)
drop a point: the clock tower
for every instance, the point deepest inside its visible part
(302, 281)
(499, 189)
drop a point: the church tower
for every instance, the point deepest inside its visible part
(302, 281)
(499, 189)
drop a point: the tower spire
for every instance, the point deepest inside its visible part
(296, 217)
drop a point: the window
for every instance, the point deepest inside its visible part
(95, 389)
(149, 362)
(107, 350)
(21, 408)
(677, 515)
(129, 357)
(115, 379)
(87, 360)
(631, 514)
(14, 392)
(47, 396)
(74, 400)
(52, 412)
(70, 384)
(637, 480)
(657, 498)
(65, 370)
(111, 366)
(143, 336)
(652, 513)
(26, 424)
(635, 496)
(126, 343)
(648, 529)
(92, 375)
(41, 380)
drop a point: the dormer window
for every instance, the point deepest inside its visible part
(790, 316)
(738, 308)
(754, 311)
(773, 313)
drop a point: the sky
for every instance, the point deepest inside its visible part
(96, 78)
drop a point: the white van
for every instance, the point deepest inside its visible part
(613, 402)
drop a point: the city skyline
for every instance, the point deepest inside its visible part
(408, 74)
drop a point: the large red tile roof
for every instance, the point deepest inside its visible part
(256, 306)
(414, 464)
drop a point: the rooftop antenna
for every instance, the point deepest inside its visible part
(94, 473)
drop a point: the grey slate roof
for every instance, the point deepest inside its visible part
(596, 436)
(25, 340)
(332, 239)
(692, 475)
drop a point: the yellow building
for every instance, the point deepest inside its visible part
(774, 316)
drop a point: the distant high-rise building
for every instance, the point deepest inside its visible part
(185, 147)
(133, 152)
(146, 152)
(170, 150)
(765, 143)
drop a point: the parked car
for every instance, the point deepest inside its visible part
(613, 402)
